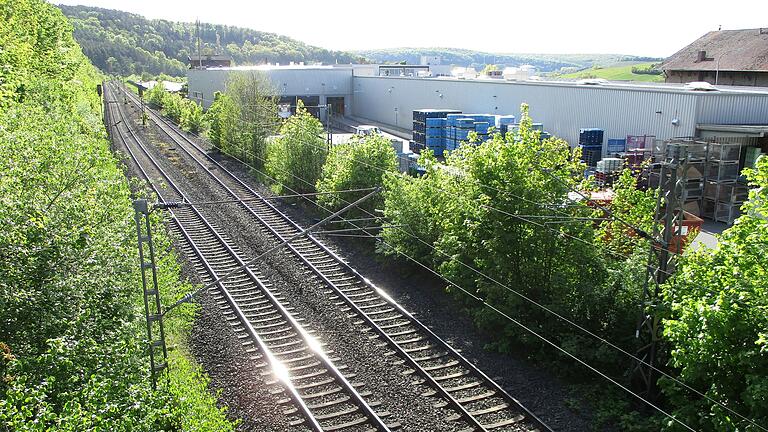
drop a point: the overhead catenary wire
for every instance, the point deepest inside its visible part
(563, 318)
(599, 338)
(570, 355)
(261, 198)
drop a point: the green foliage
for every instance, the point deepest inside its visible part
(622, 72)
(648, 69)
(295, 159)
(192, 118)
(71, 328)
(123, 43)
(173, 106)
(363, 162)
(155, 96)
(247, 116)
(186, 113)
(478, 59)
(499, 208)
(719, 321)
(214, 118)
(633, 206)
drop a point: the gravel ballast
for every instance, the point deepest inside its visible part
(418, 291)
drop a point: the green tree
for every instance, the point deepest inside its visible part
(718, 323)
(253, 95)
(295, 159)
(192, 118)
(213, 118)
(361, 163)
(72, 356)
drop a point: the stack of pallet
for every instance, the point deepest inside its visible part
(607, 170)
(591, 144)
(690, 176)
(723, 194)
(420, 132)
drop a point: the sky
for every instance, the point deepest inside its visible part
(648, 28)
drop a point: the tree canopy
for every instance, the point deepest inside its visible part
(123, 43)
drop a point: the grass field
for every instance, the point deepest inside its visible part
(616, 73)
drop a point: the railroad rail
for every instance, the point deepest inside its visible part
(322, 396)
(472, 394)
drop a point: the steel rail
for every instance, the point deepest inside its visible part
(344, 383)
(338, 260)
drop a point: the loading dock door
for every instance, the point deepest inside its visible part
(337, 105)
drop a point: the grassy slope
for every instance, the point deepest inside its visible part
(616, 73)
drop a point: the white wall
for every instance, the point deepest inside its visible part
(288, 81)
(563, 109)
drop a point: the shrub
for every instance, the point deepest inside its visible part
(359, 164)
(295, 159)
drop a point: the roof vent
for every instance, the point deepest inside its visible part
(763, 30)
(700, 86)
(592, 81)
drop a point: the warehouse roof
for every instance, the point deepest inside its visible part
(725, 50)
(618, 85)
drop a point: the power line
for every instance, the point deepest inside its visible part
(599, 338)
(519, 294)
(261, 198)
(582, 362)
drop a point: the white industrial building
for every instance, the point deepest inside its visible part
(621, 109)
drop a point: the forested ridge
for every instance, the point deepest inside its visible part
(478, 59)
(123, 43)
(72, 351)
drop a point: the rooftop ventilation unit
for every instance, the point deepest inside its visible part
(700, 86)
(592, 81)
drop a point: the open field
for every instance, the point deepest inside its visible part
(616, 73)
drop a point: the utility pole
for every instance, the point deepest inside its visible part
(199, 56)
(668, 219)
(141, 98)
(152, 306)
(328, 112)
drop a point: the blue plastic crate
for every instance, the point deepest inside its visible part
(617, 145)
(506, 120)
(435, 141)
(435, 122)
(482, 127)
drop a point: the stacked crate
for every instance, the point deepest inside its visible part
(505, 124)
(692, 176)
(616, 146)
(591, 144)
(420, 118)
(723, 194)
(638, 150)
(435, 135)
(607, 170)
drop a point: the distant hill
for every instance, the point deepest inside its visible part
(478, 59)
(621, 72)
(124, 43)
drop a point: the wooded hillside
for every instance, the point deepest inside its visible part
(124, 43)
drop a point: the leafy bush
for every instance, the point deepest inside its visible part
(192, 118)
(71, 328)
(250, 119)
(719, 321)
(500, 208)
(214, 118)
(361, 163)
(295, 159)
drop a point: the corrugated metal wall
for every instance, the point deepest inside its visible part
(733, 109)
(563, 109)
(287, 82)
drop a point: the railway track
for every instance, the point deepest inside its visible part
(477, 399)
(322, 398)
